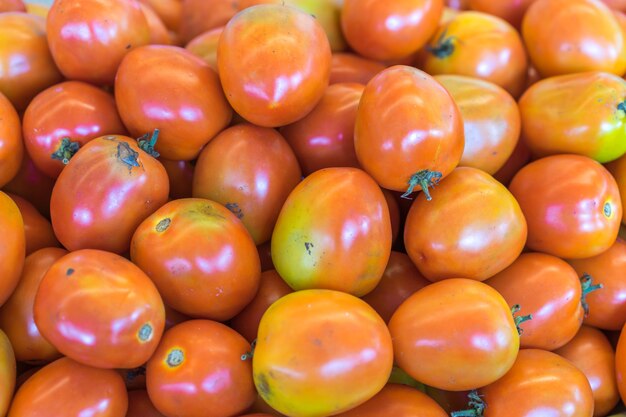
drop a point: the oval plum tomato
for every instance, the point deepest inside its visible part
(592, 353)
(158, 32)
(347, 67)
(99, 309)
(571, 204)
(187, 106)
(199, 16)
(200, 256)
(74, 111)
(617, 168)
(583, 113)
(11, 145)
(550, 290)
(320, 352)
(201, 365)
(32, 184)
(89, 38)
(170, 11)
(473, 228)
(16, 315)
(491, 121)
(26, 66)
(68, 388)
(108, 188)
(271, 288)
(251, 170)
(139, 405)
(390, 29)
(333, 232)
(12, 246)
(297, 48)
(205, 46)
(408, 131)
(518, 159)
(325, 137)
(12, 6)
(607, 307)
(510, 10)
(180, 174)
(456, 334)
(7, 373)
(400, 280)
(38, 229)
(567, 36)
(478, 45)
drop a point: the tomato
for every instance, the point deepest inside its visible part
(12, 246)
(448, 400)
(200, 256)
(71, 110)
(188, 106)
(491, 121)
(38, 230)
(592, 353)
(251, 170)
(458, 4)
(11, 147)
(7, 373)
(333, 232)
(567, 36)
(456, 334)
(616, 4)
(518, 159)
(550, 290)
(510, 10)
(26, 66)
(391, 29)
(620, 364)
(271, 288)
(347, 67)
(12, 6)
(324, 137)
(320, 352)
(478, 45)
(107, 189)
(158, 31)
(291, 56)
(67, 388)
(418, 142)
(199, 16)
(139, 405)
(394, 213)
(170, 11)
(205, 46)
(89, 38)
(180, 174)
(571, 204)
(617, 169)
(201, 365)
(32, 184)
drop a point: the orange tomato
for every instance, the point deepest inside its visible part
(32, 184)
(7, 373)
(12, 6)
(170, 11)
(11, 145)
(347, 67)
(158, 31)
(38, 230)
(510, 10)
(199, 16)
(205, 46)
(139, 405)
(12, 246)
(617, 169)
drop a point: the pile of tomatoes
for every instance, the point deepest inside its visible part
(310, 208)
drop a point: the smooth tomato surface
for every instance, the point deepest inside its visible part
(7, 373)
(347, 67)
(38, 229)
(12, 246)
(11, 145)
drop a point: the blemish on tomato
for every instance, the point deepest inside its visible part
(145, 332)
(263, 386)
(174, 358)
(163, 225)
(69, 271)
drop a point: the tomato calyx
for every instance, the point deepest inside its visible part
(444, 47)
(622, 106)
(586, 282)
(477, 406)
(519, 319)
(424, 178)
(147, 143)
(250, 354)
(66, 150)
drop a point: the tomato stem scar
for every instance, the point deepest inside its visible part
(586, 282)
(444, 46)
(175, 358)
(477, 406)
(148, 141)
(66, 150)
(424, 178)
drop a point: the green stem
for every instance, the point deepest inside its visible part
(521, 319)
(66, 150)
(622, 106)
(148, 141)
(586, 282)
(249, 355)
(444, 46)
(127, 155)
(424, 178)
(477, 406)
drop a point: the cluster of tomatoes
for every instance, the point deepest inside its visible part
(312, 208)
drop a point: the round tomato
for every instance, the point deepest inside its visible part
(139, 405)
(38, 230)
(12, 246)
(205, 46)
(510, 10)
(347, 67)
(11, 146)
(7, 373)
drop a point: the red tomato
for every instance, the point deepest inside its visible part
(7, 373)
(32, 184)
(201, 365)
(139, 405)
(199, 16)
(347, 67)
(12, 246)
(571, 204)
(180, 174)
(99, 309)
(205, 46)
(38, 230)
(510, 10)
(291, 56)
(11, 146)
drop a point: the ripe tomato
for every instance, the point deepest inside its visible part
(200, 256)
(139, 405)
(89, 38)
(12, 6)
(470, 341)
(199, 16)
(620, 365)
(320, 352)
(251, 170)
(16, 315)
(297, 47)
(180, 174)
(170, 11)
(205, 46)
(418, 142)
(12, 246)
(510, 10)
(567, 36)
(333, 232)
(491, 121)
(617, 169)
(32, 184)
(67, 388)
(571, 204)
(107, 189)
(616, 4)
(72, 110)
(158, 31)
(7, 373)
(38, 230)
(201, 365)
(11, 146)
(26, 66)
(478, 45)
(347, 67)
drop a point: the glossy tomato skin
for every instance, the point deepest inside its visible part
(250, 170)
(550, 290)
(11, 145)
(68, 388)
(303, 335)
(347, 67)
(617, 169)
(564, 37)
(108, 30)
(139, 405)
(491, 121)
(200, 256)
(620, 364)
(12, 246)
(16, 315)
(198, 366)
(333, 232)
(107, 189)
(72, 109)
(7, 373)
(99, 309)
(296, 46)
(32, 184)
(38, 230)
(205, 46)
(571, 204)
(423, 132)
(510, 10)
(441, 350)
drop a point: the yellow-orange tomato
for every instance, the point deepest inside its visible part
(12, 246)
(205, 46)
(11, 146)
(158, 32)
(320, 352)
(7, 373)
(510, 10)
